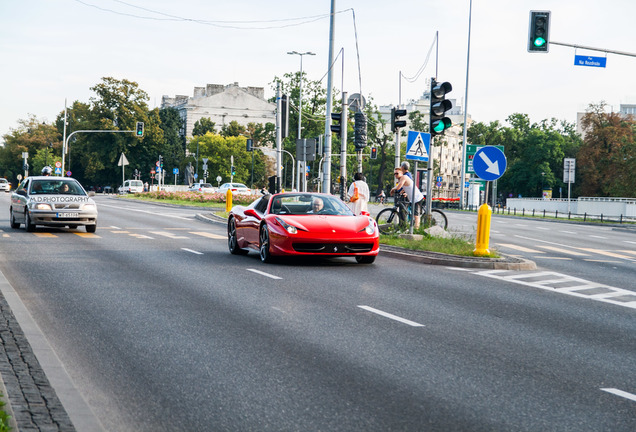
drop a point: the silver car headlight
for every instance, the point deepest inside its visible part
(89, 207)
(42, 206)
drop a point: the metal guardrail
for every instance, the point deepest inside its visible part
(585, 217)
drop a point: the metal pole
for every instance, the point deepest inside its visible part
(64, 139)
(326, 181)
(463, 170)
(279, 139)
(343, 146)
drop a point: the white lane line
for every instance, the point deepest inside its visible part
(630, 242)
(568, 232)
(114, 227)
(192, 251)
(542, 228)
(620, 393)
(271, 276)
(393, 317)
(599, 237)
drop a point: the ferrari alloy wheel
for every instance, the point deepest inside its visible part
(14, 224)
(232, 240)
(30, 227)
(266, 256)
(365, 259)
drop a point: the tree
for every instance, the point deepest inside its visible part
(203, 126)
(233, 129)
(606, 161)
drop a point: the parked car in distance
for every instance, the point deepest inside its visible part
(131, 186)
(236, 188)
(201, 187)
(5, 185)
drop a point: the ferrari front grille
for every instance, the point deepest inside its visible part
(333, 248)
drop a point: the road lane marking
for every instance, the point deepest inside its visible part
(391, 316)
(607, 253)
(519, 248)
(262, 273)
(633, 252)
(568, 232)
(114, 227)
(168, 234)
(630, 242)
(87, 235)
(44, 235)
(599, 237)
(566, 284)
(192, 251)
(120, 232)
(620, 393)
(209, 235)
(543, 228)
(154, 213)
(142, 236)
(561, 250)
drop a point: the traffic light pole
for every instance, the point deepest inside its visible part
(66, 147)
(326, 181)
(593, 49)
(343, 146)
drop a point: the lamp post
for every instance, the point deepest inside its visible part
(300, 106)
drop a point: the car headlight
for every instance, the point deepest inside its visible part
(370, 229)
(42, 206)
(290, 228)
(89, 207)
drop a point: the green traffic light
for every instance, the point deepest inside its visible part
(539, 42)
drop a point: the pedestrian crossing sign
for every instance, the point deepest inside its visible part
(417, 146)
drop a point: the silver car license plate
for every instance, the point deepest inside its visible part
(68, 215)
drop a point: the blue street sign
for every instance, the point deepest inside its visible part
(439, 178)
(58, 171)
(417, 146)
(590, 61)
(175, 171)
(489, 163)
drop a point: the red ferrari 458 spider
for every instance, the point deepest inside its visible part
(302, 224)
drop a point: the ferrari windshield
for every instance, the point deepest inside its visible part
(308, 204)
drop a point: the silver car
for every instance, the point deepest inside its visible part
(52, 201)
(5, 185)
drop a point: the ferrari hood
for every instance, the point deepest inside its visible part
(328, 224)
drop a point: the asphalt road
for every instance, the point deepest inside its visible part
(161, 329)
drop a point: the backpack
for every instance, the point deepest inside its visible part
(356, 195)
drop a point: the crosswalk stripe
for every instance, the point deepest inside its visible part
(44, 235)
(561, 250)
(519, 248)
(87, 235)
(208, 235)
(606, 253)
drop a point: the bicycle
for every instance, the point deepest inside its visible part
(396, 220)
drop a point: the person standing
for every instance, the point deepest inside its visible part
(361, 204)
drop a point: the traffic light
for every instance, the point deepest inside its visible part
(395, 115)
(336, 127)
(140, 129)
(360, 130)
(539, 31)
(374, 153)
(439, 106)
(249, 143)
(233, 170)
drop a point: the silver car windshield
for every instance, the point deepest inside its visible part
(55, 187)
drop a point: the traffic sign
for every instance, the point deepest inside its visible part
(438, 184)
(58, 170)
(471, 149)
(439, 178)
(58, 164)
(590, 61)
(489, 163)
(175, 171)
(418, 145)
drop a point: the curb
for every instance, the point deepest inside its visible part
(425, 257)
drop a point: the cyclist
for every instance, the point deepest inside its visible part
(405, 183)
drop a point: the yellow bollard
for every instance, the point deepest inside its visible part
(228, 200)
(483, 231)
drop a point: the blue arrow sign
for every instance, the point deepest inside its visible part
(175, 171)
(489, 163)
(417, 146)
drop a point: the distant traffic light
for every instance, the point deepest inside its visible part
(374, 153)
(249, 143)
(140, 129)
(284, 117)
(336, 127)
(539, 31)
(395, 122)
(360, 130)
(233, 170)
(439, 105)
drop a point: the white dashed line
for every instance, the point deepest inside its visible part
(620, 393)
(192, 251)
(393, 317)
(262, 273)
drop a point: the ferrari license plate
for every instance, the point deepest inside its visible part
(68, 215)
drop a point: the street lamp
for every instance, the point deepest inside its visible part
(300, 102)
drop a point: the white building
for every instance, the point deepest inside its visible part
(222, 104)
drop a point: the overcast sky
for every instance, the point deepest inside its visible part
(52, 50)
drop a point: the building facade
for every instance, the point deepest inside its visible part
(222, 104)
